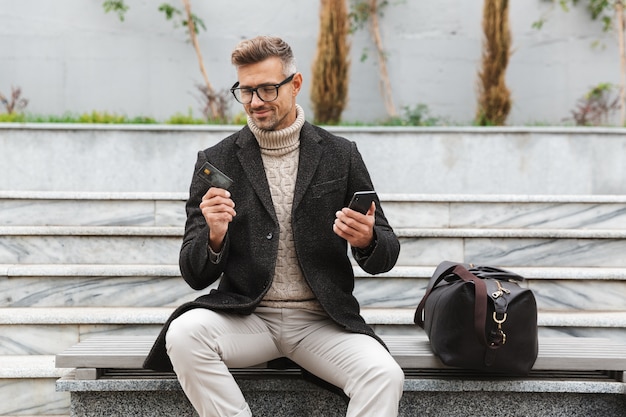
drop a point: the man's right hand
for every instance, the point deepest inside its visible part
(218, 210)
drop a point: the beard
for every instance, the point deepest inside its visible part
(266, 122)
(270, 120)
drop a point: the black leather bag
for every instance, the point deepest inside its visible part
(478, 317)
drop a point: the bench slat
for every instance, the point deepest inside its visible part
(411, 352)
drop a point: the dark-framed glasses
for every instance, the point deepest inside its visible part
(265, 93)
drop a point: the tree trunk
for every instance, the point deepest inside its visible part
(494, 101)
(619, 14)
(329, 88)
(382, 60)
(194, 40)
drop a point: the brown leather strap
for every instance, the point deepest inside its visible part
(480, 302)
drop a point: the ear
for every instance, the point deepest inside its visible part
(296, 83)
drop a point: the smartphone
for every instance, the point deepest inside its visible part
(213, 177)
(362, 200)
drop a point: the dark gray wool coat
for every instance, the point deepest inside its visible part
(330, 170)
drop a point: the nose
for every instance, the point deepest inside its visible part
(256, 101)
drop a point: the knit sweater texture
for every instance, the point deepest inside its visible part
(280, 151)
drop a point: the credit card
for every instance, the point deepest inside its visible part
(213, 177)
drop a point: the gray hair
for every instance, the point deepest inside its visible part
(251, 51)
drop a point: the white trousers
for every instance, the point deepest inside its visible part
(203, 344)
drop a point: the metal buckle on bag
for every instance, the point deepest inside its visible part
(501, 336)
(499, 323)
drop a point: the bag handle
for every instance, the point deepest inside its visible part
(480, 299)
(485, 272)
(442, 270)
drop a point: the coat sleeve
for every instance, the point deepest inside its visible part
(384, 254)
(195, 265)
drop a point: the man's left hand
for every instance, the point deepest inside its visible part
(356, 228)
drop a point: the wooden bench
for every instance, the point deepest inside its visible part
(584, 373)
(94, 355)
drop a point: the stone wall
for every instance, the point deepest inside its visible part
(401, 160)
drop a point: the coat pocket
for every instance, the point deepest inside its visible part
(321, 189)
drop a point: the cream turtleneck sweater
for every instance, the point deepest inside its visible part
(280, 151)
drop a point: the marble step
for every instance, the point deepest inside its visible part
(171, 270)
(27, 387)
(22, 208)
(41, 208)
(38, 331)
(515, 247)
(420, 246)
(29, 366)
(560, 289)
(505, 211)
(89, 244)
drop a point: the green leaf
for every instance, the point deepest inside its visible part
(169, 11)
(117, 6)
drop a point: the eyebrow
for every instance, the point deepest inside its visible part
(259, 86)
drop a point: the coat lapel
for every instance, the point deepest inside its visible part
(310, 155)
(249, 156)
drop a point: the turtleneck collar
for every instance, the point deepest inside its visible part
(279, 142)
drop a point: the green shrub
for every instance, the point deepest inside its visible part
(419, 115)
(12, 118)
(93, 117)
(185, 119)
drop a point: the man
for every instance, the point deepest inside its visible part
(278, 238)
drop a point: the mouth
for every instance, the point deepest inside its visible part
(261, 112)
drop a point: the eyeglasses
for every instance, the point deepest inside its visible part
(265, 93)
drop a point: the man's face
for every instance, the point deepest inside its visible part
(271, 115)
